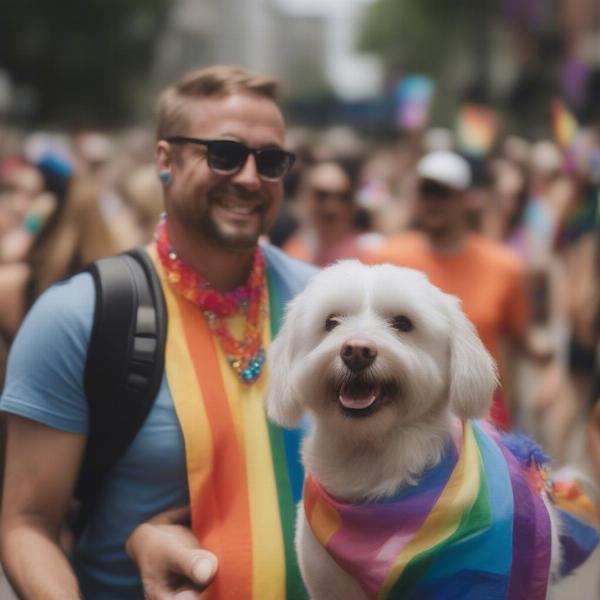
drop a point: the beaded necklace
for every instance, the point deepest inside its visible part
(246, 356)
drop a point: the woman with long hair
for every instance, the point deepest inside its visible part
(73, 235)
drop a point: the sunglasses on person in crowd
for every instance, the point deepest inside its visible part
(322, 194)
(433, 189)
(227, 157)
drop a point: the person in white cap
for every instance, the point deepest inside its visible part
(486, 276)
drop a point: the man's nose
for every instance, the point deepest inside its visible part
(358, 354)
(247, 176)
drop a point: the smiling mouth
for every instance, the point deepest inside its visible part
(242, 210)
(239, 209)
(239, 205)
(359, 397)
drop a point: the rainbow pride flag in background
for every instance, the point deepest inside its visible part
(564, 125)
(476, 129)
(474, 528)
(412, 97)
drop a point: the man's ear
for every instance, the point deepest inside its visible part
(473, 376)
(162, 155)
(283, 404)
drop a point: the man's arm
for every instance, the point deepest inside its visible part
(171, 563)
(42, 465)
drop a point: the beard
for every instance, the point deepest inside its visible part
(212, 230)
(218, 222)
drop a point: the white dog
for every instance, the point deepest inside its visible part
(391, 371)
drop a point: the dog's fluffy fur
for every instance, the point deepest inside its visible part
(430, 368)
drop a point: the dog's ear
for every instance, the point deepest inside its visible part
(473, 375)
(282, 402)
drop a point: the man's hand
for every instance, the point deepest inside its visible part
(171, 563)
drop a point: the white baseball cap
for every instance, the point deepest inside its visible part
(446, 168)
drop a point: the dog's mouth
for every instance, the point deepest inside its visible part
(359, 397)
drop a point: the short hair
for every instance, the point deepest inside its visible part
(219, 80)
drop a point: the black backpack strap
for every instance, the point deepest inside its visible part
(124, 366)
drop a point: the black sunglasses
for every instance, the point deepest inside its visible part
(322, 194)
(228, 157)
(433, 189)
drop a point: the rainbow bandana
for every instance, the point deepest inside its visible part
(244, 474)
(475, 527)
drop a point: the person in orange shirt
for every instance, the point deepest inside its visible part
(486, 276)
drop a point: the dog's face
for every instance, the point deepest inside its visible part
(371, 349)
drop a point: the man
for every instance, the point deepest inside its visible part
(488, 278)
(329, 232)
(206, 442)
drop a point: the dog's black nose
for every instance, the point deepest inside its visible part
(358, 354)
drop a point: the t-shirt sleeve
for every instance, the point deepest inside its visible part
(44, 378)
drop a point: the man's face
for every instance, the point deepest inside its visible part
(329, 197)
(438, 208)
(231, 211)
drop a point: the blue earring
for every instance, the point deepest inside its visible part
(165, 177)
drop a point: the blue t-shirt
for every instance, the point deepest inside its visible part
(44, 382)
(47, 386)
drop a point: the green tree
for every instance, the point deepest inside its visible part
(432, 37)
(84, 60)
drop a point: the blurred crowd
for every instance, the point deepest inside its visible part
(532, 205)
(64, 202)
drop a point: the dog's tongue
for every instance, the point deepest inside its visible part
(357, 399)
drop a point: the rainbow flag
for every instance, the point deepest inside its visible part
(475, 527)
(564, 125)
(579, 535)
(477, 129)
(412, 98)
(582, 218)
(244, 474)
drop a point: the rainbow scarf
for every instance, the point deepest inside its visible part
(475, 527)
(244, 474)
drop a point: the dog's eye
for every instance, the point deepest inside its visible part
(402, 323)
(331, 322)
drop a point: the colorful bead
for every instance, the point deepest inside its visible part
(246, 356)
